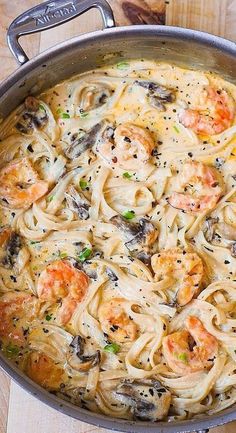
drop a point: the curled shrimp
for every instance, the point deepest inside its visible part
(21, 305)
(202, 188)
(213, 120)
(44, 371)
(191, 349)
(20, 185)
(185, 268)
(128, 146)
(60, 280)
(115, 321)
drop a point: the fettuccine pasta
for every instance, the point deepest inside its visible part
(118, 241)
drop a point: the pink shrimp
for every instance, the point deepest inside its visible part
(213, 120)
(201, 188)
(16, 304)
(20, 185)
(44, 371)
(115, 322)
(61, 280)
(185, 268)
(130, 147)
(179, 356)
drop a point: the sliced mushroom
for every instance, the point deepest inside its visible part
(209, 228)
(78, 360)
(10, 248)
(233, 249)
(220, 233)
(143, 233)
(77, 203)
(13, 253)
(34, 116)
(146, 235)
(157, 95)
(128, 228)
(81, 144)
(148, 399)
(112, 276)
(144, 257)
(94, 96)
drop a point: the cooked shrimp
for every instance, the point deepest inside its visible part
(129, 146)
(213, 120)
(201, 186)
(183, 359)
(16, 306)
(20, 185)
(185, 268)
(60, 280)
(44, 371)
(115, 322)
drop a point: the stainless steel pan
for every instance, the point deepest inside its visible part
(178, 45)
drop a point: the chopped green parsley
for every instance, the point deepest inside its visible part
(83, 184)
(129, 214)
(84, 254)
(127, 175)
(112, 348)
(122, 65)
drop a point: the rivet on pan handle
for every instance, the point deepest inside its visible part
(51, 14)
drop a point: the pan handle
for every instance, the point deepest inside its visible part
(51, 14)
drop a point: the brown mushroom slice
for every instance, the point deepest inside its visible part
(209, 228)
(34, 116)
(233, 249)
(220, 233)
(11, 244)
(146, 235)
(143, 232)
(157, 95)
(77, 360)
(112, 276)
(94, 96)
(77, 203)
(128, 228)
(81, 144)
(156, 102)
(144, 257)
(84, 363)
(148, 399)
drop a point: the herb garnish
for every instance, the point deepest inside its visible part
(112, 348)
(129, 214)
